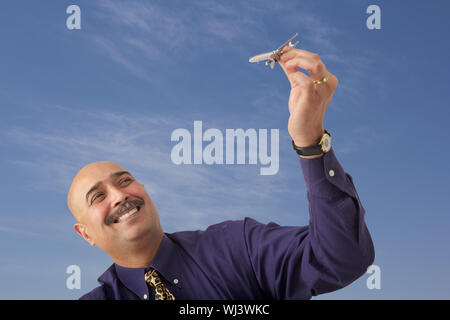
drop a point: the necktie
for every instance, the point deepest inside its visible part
(161, 292)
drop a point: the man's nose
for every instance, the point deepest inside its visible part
(118, 197)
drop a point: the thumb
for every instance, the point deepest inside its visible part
(289, 71)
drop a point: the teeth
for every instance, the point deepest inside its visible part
(133, 211)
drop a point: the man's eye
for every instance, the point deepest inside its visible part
(125, 180)
(96, 196)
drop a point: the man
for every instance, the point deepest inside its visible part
(241, 259)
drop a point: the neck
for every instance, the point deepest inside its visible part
(140, 253)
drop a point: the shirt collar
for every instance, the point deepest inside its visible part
(167, 263)
(133, 279)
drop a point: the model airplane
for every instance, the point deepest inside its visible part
(272, 56)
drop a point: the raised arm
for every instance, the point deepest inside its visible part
(335, 248)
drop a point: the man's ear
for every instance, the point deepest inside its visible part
(81, 230)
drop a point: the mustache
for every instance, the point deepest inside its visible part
(127, 205)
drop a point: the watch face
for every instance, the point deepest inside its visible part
(326, 144)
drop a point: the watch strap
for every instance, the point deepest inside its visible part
(311, 150)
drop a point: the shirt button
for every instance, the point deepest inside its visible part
(175, 281)
(145, 296)
(331, 173)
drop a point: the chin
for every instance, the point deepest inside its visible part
(138, 231)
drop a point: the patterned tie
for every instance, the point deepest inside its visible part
(161, 292)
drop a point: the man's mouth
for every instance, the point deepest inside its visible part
(126, 214)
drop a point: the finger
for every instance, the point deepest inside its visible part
(306, 81)
(316, 68)
(288, 70)
(301, 80)
(306, 60)
(298, 52)
(285, 50)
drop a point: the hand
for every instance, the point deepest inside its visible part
(308, 102)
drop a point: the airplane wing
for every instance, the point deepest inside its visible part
(272, 56)
(288, 42)
(262, 57)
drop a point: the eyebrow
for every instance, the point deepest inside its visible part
(98, 184)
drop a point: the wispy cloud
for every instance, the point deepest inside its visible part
(200, 194)
(117, 55)
(19, 231)
(361, 138)
(315, 30)
(141, 32)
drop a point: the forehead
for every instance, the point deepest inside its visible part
(89, 176)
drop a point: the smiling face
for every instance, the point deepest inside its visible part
(113, 210)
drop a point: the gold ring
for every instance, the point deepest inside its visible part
(323, 80)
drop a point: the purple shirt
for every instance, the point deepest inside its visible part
(245, 259)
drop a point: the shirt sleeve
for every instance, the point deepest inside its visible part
(331, 252)
(96, 294)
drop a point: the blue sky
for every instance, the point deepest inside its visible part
(137, 70)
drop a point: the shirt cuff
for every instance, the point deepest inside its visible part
(325, 177)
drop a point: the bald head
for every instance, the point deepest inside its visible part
(87, 180)
(113, 211)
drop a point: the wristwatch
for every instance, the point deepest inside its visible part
(322, 147)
